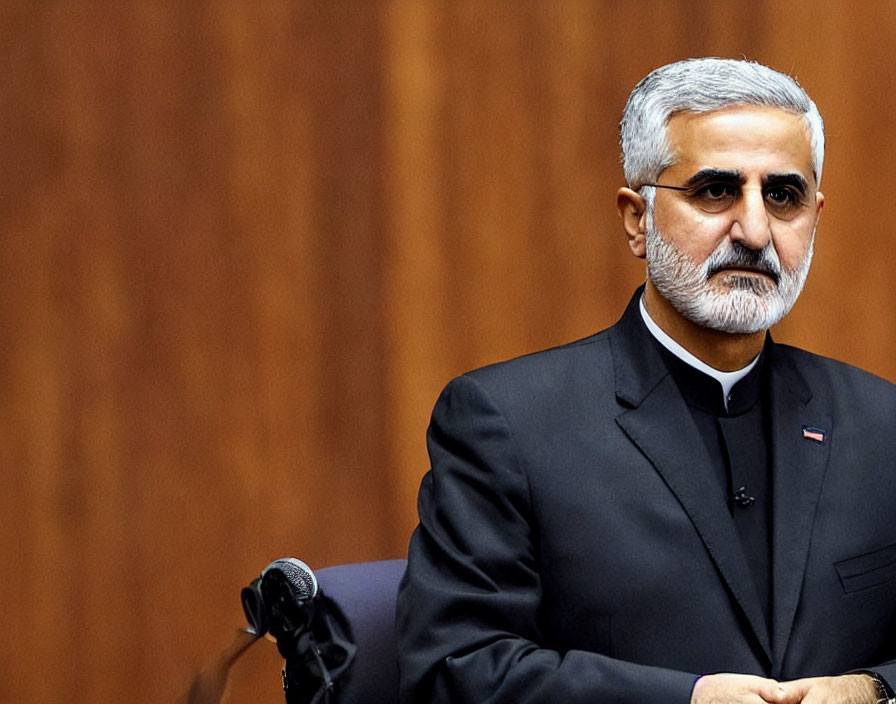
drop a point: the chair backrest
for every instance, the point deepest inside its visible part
(365, 593)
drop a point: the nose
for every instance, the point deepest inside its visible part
(751, 226)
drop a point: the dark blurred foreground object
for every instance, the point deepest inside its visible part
(335, 630)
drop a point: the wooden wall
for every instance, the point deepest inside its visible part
(243, 245)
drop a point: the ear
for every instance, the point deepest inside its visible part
(633, 211)
(819, 202)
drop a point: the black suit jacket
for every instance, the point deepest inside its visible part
(575, 546)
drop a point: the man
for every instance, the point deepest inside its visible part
(676, 509)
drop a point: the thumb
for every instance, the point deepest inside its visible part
(787, 692)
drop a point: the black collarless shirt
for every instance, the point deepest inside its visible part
(737, 440)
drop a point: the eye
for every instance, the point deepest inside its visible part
(717, 191)
(715, 196)
(783, 196)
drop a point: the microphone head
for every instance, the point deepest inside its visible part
(288, 589)
(295, 575)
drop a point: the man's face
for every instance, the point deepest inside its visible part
(732, 251)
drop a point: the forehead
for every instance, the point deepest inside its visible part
(747, 139)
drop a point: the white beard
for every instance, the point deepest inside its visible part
(733, 304)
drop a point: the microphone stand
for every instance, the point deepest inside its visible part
(210, 685)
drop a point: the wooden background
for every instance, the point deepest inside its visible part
(245, 244)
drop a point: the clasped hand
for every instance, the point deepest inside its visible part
(749, 689)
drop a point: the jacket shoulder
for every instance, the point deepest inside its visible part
(844, 381)
(546, 382)
(578, 358)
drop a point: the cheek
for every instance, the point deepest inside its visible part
(695, 234)
(792, 245)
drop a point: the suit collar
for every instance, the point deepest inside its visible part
(637, 361)
(645, 387)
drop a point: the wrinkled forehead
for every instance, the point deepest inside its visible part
(742, 138)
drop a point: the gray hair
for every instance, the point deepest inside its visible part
(704, 85)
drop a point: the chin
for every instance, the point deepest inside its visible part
(739, 310)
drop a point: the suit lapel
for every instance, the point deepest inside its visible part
(660, 424)
(799, 462)
(678, 454)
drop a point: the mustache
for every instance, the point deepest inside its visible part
(735, 255)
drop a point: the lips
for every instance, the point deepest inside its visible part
(737, 268)
(737, 259)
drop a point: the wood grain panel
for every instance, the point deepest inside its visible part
(244, 245)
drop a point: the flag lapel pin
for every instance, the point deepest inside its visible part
(810, 433)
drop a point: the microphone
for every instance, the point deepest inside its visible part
(281, 599)
(295, 575)
(311, 632)
(312, 635)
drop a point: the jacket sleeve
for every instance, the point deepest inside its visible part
(468, 608)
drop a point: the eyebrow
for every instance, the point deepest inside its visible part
(708, 175)
(735, 177)
(788, 179)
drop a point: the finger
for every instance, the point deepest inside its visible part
(793, 692)
(774, 692)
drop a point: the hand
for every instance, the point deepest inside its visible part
(727, 688)
(845, 689)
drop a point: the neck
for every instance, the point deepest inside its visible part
(721, 350)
